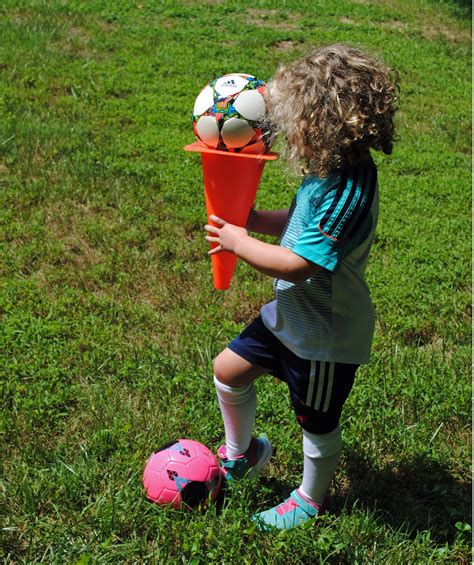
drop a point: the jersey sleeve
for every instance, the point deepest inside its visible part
(337, 219)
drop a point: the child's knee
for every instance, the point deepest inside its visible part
(232, 370)
(219, 367)
(224, 370)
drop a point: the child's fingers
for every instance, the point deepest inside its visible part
(217, 220)
(211, 229)
(217, 249)
(212, 239)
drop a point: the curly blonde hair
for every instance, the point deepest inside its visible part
(330, 105)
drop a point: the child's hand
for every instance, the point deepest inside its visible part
(227, 236)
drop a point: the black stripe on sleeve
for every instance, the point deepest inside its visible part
(340, 220)
(357, 205)
(337, 197)
(365, 211)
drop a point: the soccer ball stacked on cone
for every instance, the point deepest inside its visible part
(183, 473)
(229, 115)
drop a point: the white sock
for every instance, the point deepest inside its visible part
(321, 457)
(238, 405)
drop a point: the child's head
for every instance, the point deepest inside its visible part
(331, 105)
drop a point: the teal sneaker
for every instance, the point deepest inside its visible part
(291, 513)
(250, 463)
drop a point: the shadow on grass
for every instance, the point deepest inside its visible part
(464, 5)
(415, 495)
(272, 490)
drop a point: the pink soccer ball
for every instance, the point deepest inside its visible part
(184, 472)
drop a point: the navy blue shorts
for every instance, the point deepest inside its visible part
(318, 389)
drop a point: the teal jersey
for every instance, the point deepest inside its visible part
(329, 316)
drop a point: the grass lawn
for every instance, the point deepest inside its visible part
(108, 319)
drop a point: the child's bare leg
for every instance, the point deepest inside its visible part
(233, 378)
(233, 370)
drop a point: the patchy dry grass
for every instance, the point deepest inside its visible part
(287, 45)
(273, 19)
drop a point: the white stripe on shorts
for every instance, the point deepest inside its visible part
(309, 396)
(321, 376)
(329, 389)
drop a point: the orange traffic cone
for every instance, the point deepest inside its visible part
(230, 185)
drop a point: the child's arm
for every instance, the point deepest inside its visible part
(268, 222)
(272, 260)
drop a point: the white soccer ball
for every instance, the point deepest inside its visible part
(229, 115)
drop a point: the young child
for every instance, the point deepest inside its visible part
(332, 106)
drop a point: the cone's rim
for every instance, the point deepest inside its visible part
(197, 147)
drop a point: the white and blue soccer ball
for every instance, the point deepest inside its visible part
(229, 114)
